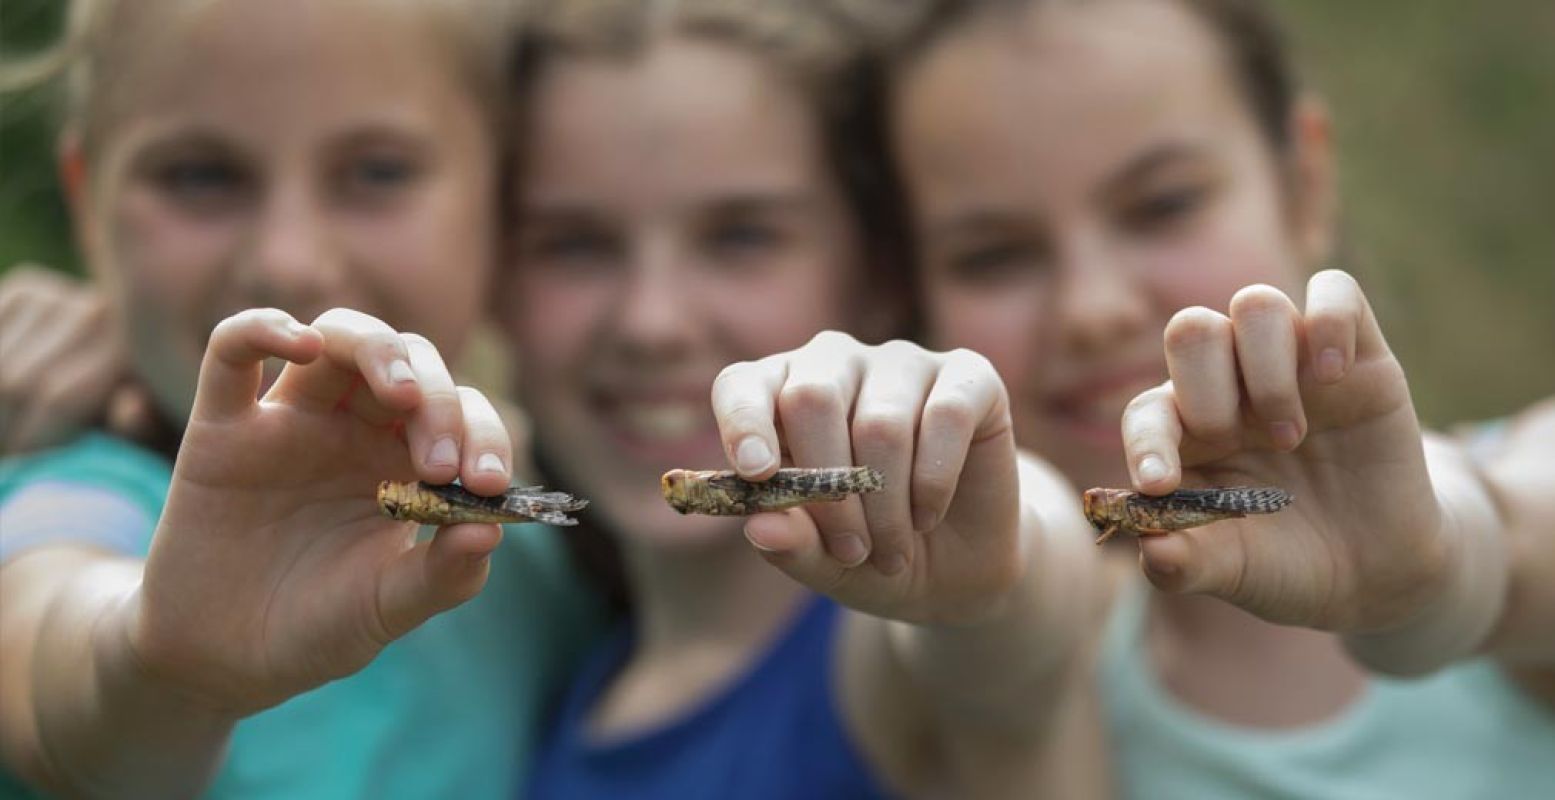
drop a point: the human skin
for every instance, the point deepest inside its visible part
(676, 245)
(1108, 186)
(293, 167)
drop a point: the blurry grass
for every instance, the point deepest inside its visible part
(1445, 117)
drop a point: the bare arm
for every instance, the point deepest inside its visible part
(1007, 700)
(93, 724)
(271, 571)
(970, 577)
(1521, 478)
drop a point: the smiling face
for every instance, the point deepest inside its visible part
(273, 156)
(1104, 173)
(675, 215)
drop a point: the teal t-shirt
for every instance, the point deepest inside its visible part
(450, 710)
(1462, 732)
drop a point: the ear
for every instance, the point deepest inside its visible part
(1314, 182)
(71, 163)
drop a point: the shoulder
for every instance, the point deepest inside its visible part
(93, 460)
(97, 490)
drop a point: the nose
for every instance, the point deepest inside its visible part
(1100, 305)
(656, 312)
(292, 260)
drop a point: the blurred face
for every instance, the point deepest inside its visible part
(675, 216)
(1103, 174)
(278, 157)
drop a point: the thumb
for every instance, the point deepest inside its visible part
(790, 541)
(1182, 562)
(436, 575)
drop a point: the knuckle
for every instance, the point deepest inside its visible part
(807, 398)
(881, 431)
(900, 350)
(832, 342)
(1335, 278)
(1259, 299)
(1196, 326)
(408, 341)
(1148, 401)
(955, 411)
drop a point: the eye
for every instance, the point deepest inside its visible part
(997, 261)
(739, 240)
(1162, 209)
(376, 175)
(575, 247)
(202, 182)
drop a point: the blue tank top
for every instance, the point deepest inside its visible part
(775, 732)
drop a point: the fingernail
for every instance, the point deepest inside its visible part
(753, 456)
(400, 372)
(296, 328)
(756, 544)
(892, 564)
(1152, 469)
(849, 549)
(1285, 434)
(444, 454)
(488, 462)
(922, 519)
(1330, 365)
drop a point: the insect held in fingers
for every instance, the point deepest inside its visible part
(724, 493)
(418, 501)
(1114, 510)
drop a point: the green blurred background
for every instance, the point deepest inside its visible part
(1445, 117)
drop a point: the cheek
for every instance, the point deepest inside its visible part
(758, 315)
(551, 318)
(1242, 246)
(429, 265)
(1004, 326)
(167, 260)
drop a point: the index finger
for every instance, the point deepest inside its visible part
(744, 398)
(1152, 436)
(231, 371)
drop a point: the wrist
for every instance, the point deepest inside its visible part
(1457, 620)
(124, 672)
(107, 726)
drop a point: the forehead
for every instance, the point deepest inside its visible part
(1063, 92)
(254, 67)
(684, 118)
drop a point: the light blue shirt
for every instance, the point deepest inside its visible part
(1463, 732)
(450, 710)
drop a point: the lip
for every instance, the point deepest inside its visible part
(628, 418)
(1090, 408)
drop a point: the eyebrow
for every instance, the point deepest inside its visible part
(977, 221)
(751, 203)
(1151, 160)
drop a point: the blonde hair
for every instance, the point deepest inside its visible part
(103, 38)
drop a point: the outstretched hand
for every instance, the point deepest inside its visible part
(1312, 402)
(272, 570)
(941, 541)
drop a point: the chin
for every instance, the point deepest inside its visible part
(644, 519)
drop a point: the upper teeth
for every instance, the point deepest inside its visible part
(663, 420)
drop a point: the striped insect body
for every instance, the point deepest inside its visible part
(725, 493)
(430, 504)
(1114, 510)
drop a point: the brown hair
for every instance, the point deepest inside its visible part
(806, 41)
(1255, 44)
